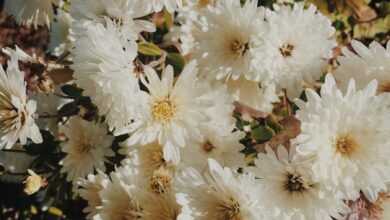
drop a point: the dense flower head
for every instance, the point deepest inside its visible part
(347, 134)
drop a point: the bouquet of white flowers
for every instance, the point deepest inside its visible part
(196, 109)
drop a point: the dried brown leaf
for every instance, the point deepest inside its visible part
(291, 129)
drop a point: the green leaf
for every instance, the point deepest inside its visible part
(177, 61)
(71, 91)
(262, 133)
(149, 49)
(69, 109)
(47, 146)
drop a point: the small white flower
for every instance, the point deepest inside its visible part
(89, 190)
(289, 191)
(221, 38)
(348, 135)
(33, 183)
(103, 65)
(16, 111)
(149, 160)
(86, 149)
(224, 41)
(364, 66)
(31, 12)
(123, 197)
(293, 48)
(220, 194)
(223, 147)
(126, 197)
(172, 112)
(221, 141)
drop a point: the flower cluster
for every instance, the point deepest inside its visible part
(199, 109)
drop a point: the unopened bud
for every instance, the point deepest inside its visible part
(33, 183)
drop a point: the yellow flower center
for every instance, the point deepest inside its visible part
(230, 210)
(163, 110)
(161, 181)
(295, 183)
(239, 48)
(286, 50)
(346, 145)
(84, 148)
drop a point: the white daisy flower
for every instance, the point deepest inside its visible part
(348, 135)
(103, 65)
(224, 148)
(220, 194)
(86, 149)
(289, 191)
(364, 66)
(16, 110)
(172, 112)
(126, 197)
(89, 190)
(293, 48)
(224, 41)
(31, 12)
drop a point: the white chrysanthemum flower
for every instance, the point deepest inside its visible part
(124, 12)
(86, 149)
(16, 111)
(221, 141)
(220, 194)
(293, 48)
(126, 197)
(289, 191)
(224, 42)
(223, 147)
(149, 160)
(172, 112)
(250, 93)
(89, 190)
(31, 12)
(348, 135)
(103, 65)
(364, 66)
